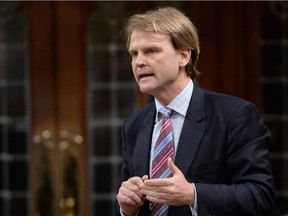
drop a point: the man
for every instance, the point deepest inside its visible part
(216, 158)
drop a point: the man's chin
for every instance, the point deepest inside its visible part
(145, 89)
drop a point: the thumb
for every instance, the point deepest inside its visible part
(173, 167)
(144, 178)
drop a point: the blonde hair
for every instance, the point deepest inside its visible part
(170, 21)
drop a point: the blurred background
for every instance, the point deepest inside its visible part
(66, 87)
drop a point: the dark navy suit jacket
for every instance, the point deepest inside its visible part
(223, 150)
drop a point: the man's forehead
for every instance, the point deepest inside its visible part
(138, 36)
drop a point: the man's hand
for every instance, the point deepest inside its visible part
(173, 191)
(130, 197)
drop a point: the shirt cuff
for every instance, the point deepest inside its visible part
(194, 209)
(122, 214)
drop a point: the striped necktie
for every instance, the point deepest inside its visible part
(164, 148)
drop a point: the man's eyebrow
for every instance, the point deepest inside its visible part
(154, 46)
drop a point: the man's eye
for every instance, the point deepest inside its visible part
(150, 51)
(133, 54)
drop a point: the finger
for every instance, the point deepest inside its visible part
(158, 196)
(157, 199)
(129, 197)
(144, 178)
(173, 167)
(136, 181)
(156, 183)
(131, 186)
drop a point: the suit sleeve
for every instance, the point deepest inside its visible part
(251, 187)
(124, 173)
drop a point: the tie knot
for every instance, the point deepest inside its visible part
(166, 112)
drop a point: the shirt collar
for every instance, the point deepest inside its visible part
(180, 103)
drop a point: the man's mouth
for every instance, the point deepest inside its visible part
(142, 76)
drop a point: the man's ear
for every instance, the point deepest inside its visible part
(185, 55)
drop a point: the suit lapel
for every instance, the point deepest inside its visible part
(192, 132)
(141, 156)
(191, 135)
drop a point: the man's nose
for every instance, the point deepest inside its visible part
(140, 60)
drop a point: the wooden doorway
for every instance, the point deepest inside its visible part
(58, 106)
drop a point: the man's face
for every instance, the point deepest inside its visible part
(156, 65)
